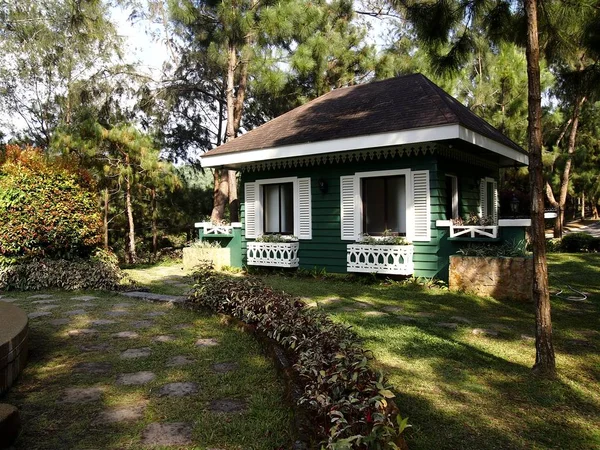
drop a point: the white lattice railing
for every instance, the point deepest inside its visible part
(473, 231)
(388, 259)
(274, 254)
(212, 229)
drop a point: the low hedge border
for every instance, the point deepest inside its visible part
(349, 404)
(100, 271)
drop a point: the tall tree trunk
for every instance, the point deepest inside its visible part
(594, 208)
(564, 181)
(583, 206)
(131, 253)
(220, 194)
(545, 362)
(154, 225)
(105, 217)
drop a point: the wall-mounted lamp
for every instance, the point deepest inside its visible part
(514, 205)
(323, 185)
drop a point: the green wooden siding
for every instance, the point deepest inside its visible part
(327, 250)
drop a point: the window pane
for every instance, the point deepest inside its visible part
(271, 208)
(374, 205)
(396, 204)
(384, 205)
(287, 208)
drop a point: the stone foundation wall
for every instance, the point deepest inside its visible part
(218, 256)
(14, 333)
(500, 278)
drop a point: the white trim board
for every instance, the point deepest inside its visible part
(414, 136)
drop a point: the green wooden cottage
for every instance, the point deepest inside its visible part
(399, 155)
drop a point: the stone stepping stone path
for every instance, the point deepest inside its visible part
(374, 313)
(95, 368)
(84, 298)
(139, 324)
(180, 389)
(484, 332)
(82, 332)
(76, 312)
(332, 301)
(227, 405)
(204, 342)
(48, 307)
(448, 325)
(405, 319)
(178, 361)
(122, 305)
(81, 395)
(135, 378)
(59, 322)
(134, 353)
(103, 322)
(117, 313)
(167, 434)
(156, 297)
(44, 302)
(362, 305)
(426, 315)
(8, 300)
(120, 414)
(224, 367)
(41, 296)
(126, 335)
(36, 314)
(349, 309)
(164, 338)
(393, 309)
(461, 320)
(155, 314)
(183, 326)
(527, 337)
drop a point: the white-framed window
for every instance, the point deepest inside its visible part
(397, 200)
(452, 210)
(488, 198)
(278, 206)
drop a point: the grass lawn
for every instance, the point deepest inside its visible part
(476, 391)
(55, 357)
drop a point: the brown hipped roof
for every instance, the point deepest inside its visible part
(401, 103)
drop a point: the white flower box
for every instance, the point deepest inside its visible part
(474, 231)
(385, 259)
(273, 254)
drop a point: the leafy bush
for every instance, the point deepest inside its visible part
(473, 219)
(506, 249)
(46, 208)
(276, 238)
(347, 400)
(100, 271)
(580, 243)
(553, 245)
(384, 239)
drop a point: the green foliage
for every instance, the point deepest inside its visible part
(100, 271)
(506, 249)
(580, 243)
(276, 238)
(553, 245)
(46, 208)
(387, 238)
(348, 403)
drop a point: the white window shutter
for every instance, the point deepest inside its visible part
(421, 205)
(304, 209)
(250, 216)
(348, 208)
(496, 205)
(483, 211)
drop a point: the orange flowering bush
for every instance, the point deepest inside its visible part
(47, 207)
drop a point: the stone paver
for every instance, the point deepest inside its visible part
(96, 368)
(139, 324)
(103, 322)
(527, 337)
(461, 319)
(117, 313)
(155, 314)
(59, 322)
(122, 414)
(84, 298)
(374, 314)
(167, 434)
(122, 305)
(133, 353)
(362, 305)
(48, 307)
(164, 338)
(331, 301)
(206, 342)
(181, 389)
(8, 300)
(156, 297)
(81, 395)
(135, 378)
(449, 325)
(484, 332)
(41, 296)
(36, 314)
(76, 312)
(393, 309)
(44, 302)
(225, 367)
(126, 335)
(179, 360)
(183, 326)
(426, 315)
(101, 347)
(82, 332)
(227, 405)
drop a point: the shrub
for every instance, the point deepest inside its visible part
(348, 402)
(100, 271)
(579, 243)
(553, 245)
(46, 208)
(506, 249)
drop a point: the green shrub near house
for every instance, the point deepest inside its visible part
(580, 243)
